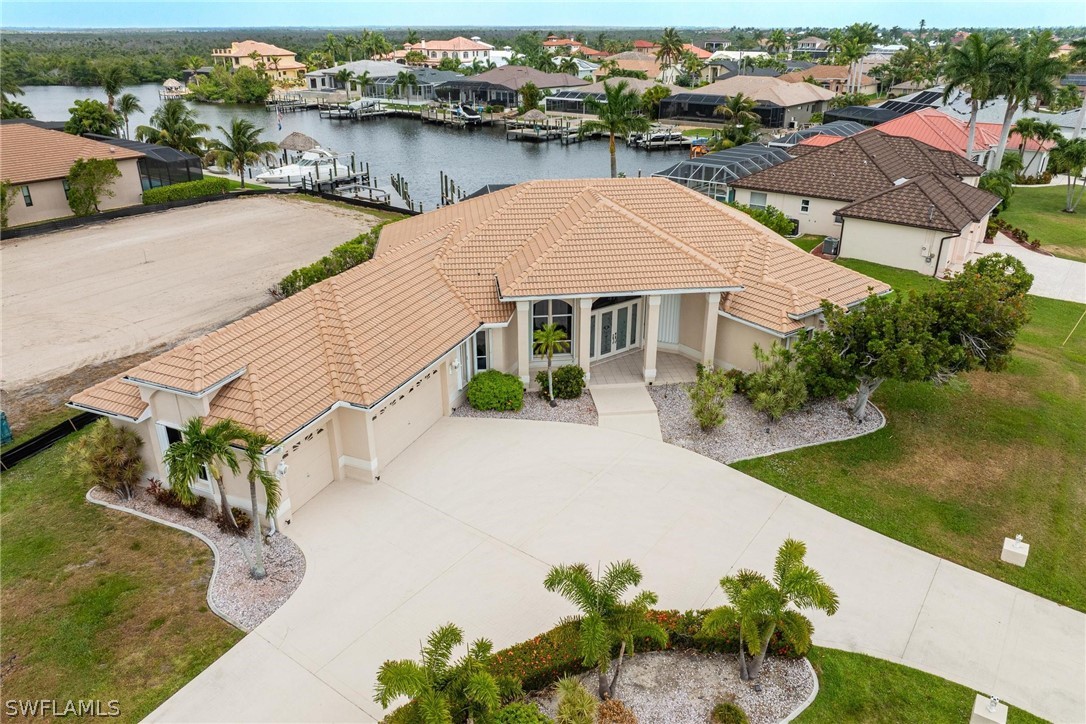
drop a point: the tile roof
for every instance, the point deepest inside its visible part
(459, 43)
(823, 72)
(858, 166)
(29, 153)
(820, 141)
(438, 276)
(240, 49)
(767, 89)
(931, 201)
(514, 76)
(950, 134)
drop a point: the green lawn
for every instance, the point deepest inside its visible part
(233, 185)
(859, 688)
(39, 425)
(807, 242)
(96, 604)
(959, 467)
(1039, 211)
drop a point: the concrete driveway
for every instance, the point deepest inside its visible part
(1053, 277)
(463, 526)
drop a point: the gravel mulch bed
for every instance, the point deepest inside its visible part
(581, 410)
(680, 687)
(748, 433)
(233, 593)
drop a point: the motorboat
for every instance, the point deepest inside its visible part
(467, 113)
(364, 104)
(315, 165)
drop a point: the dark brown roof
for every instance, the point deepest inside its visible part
(858, 166)
(931, 201)
(514, 76)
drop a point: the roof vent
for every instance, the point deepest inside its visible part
(900, 181)
(931, 212)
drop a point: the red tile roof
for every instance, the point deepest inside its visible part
(950, 134)
(29, 153)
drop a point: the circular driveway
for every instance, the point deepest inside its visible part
(464, 525)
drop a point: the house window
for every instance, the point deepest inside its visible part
(804, 205)
(757, 200)
(482, 345)
(553, 311)
(68, 187)
(172, 435)
(27, 201)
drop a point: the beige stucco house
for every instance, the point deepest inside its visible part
(36, 162)
(278, 63)
(352, 370)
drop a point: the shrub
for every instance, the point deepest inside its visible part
(494, 390)
(345, 256)
(708, 396)
(568, 382)
(575, 704)
(739, 380)
(520, 712)
(89, 182)
(186, 190)
(728, 712)
(109, 457)
(777, 387)
(614, 711)
(240, 517)
(170, 499)
(770, 217)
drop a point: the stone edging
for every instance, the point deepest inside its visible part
(810, 697)
(811, 444)
(207, 541)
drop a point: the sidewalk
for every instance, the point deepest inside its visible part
(627, 407)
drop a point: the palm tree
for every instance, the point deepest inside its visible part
(330, 46)
(192, 63)
(1077, 58)
(445, 691)
(1027, 73)
(617, 114)
(343, 77)
(1026, 128)
(671, 48)
(174, 124)
(778, 42)
(548, 341)
(240, 148)
(759, 607)
(606, 621)
(972, 66)
(834, 41)
(255, 445)
(316, 60)
(203, 450)
(128, 104)
(691, 66)
(852, 52)
(569, 65)
(350, 42)
(1001, 181)
(1069, 158)
(405, 81)
(112, 77)
(362, 80)
(412, 37)
(738, 113)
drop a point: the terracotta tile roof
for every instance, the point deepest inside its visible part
(240, 49)
(28, 153)
(699, 53)
(857, 166)
(931, 201)
(823, 72)
(459, 43)
(438, 276)
(767, 89)
(820, 141)
(514, 76)
(937, 129)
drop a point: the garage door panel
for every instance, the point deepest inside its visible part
(414, 413)
(310, 469)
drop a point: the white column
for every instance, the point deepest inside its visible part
(712, 313)
(584, 333)
(652, 334)
(524, 340)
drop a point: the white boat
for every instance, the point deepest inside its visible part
(468, 113)
(315, 165)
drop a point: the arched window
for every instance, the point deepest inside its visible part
(553, 311)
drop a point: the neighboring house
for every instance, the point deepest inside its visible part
(568, 46)
(573, 100)
(813, 46)
(778, 103)
(633, 60)
(993, 111)
(714, 173)
(586, 70)
(724, 68)
(501, 86)
(160, 165)
(715, 44)
(278, 63)
(835, 129)
(466, 50)
(382, 79)
(832, 77)
(349, 372)
(823, 186)
(36, 162)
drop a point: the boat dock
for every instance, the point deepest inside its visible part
(449, 117)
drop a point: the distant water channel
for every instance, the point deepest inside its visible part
(472, 157)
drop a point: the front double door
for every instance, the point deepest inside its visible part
(614, 329)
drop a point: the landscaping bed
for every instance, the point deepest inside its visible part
(747, 433)
(232, 592)
(673, 687)
(580, 410)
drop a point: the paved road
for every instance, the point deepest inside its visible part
(1052, 277)
(464, 525)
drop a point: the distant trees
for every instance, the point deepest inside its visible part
(174, 124)
(89, 180)
(91, 116)
(244, 85)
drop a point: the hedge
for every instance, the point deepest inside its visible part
(186, 190)
(543, 660)
(343, 257)
(494, 390)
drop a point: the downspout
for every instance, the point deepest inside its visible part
(935, 274)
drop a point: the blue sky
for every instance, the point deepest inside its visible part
(535, 13)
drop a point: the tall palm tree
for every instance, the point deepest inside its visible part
(128, 104)
(174, 124)
(362, 80)
(691, 66)
(853, 50)
(256, 443)
(349, 42)
(778, 42)
(549, 341)
(406, 81)
(606, 621)
(670, 50)
(738, 113)
(241, 146)
(204, 450)
(412, 37)
(569, 65)
(330, 46)
(973, 65)
(1077, 58)
(1026, 128)
(112, 77)
(344, 76)
(1030, 72)
(758, 607)
(834, 41)
(618, 114)
(1069, 158)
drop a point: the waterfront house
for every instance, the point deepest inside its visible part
(278, 63)
(465, 50)
(813, 46)
(382, 76)
(831, 77)
(573, 100)
(636, 62)
(501, 86)
(568, 46)
(778, 103)
(349, 372)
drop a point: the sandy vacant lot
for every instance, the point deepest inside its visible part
(90, 295)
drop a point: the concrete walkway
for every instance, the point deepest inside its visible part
(464, 525)
(628, 408)
(1052, 277)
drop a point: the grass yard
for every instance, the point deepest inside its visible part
(38, 425)
(1039, 211)
(959, 467)
(807, 242)
(233, 185)
(859, 688)
(98, 604)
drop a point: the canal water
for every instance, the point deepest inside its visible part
(472, 157)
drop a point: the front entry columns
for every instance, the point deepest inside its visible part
(584, 334)
(524, 340)
(652, 334)
(712, 313)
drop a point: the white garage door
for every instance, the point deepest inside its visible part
(310, 468)
(409, 414)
